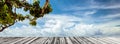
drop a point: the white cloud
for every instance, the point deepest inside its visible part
(86, 13)
(92, 4)
(81, 30)
(111, 16)
(109, 28)
(57, 25)
(76, 8)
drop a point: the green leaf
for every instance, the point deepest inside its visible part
(5, 7)
(33, 23)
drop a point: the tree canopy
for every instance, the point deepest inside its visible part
(9, 17)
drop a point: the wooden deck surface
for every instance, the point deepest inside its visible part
(59, 40)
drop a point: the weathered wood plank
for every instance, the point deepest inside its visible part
(58, 40)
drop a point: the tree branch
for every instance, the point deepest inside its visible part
(45, 6)
(6, 26)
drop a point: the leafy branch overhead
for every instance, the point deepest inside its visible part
(9, 17)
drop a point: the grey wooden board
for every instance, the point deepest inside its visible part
(59, 40)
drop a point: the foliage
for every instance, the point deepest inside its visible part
(8, 17)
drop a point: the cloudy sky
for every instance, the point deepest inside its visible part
(72, 18)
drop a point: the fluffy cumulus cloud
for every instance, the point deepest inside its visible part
(110, 28)
(57, 25)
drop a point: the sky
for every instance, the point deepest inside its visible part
(72, 18)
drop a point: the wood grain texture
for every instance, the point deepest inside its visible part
(59, 40)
